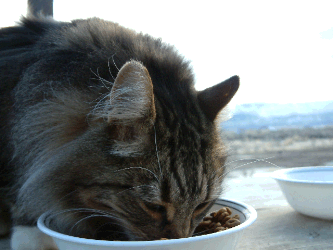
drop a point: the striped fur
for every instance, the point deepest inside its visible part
(103, 126)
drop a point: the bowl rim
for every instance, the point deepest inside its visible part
(280, 175)
(249, 212)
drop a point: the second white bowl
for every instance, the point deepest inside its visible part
(309, 190)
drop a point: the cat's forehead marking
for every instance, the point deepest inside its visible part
(184, 190)
(170, 210)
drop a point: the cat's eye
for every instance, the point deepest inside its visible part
(155, 207)
(201, 206)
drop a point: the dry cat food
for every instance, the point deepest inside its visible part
(217, 221)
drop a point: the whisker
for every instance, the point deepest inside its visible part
(252, 160)
(136, 187)
(88, 217)
(78, 210)
(110, 69)
(271, 163)
(157, 155)
(139, 168)
(114, 62)
(104, 80)
(99, 104)
(96, 213)
(228, 171)
(248, 163)
(62, 199)
(101, 79)
(246, 159)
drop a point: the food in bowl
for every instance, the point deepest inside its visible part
(222, 240)
(217, 221)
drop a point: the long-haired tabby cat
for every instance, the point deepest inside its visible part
(103, 126)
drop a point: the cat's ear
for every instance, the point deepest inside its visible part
(212, 100)
(132, 96)
(132, 109)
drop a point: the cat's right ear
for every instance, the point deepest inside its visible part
(132, 96)
(212, 100)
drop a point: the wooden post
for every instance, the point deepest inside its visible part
(40, 7)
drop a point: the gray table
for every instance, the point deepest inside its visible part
(278, 225)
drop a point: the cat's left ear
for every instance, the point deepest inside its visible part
(212, 100)
(131, 112)
(132, 96)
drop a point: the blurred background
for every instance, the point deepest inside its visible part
(282, 51)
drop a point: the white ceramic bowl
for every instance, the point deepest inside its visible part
(225, 240)
(309, 190)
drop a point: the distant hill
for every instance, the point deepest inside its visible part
(276, 116)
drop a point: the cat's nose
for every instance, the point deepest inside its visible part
(171, 234)
(174, 232)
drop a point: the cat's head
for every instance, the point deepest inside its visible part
(157, 166)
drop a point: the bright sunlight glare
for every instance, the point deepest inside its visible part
(282, 50)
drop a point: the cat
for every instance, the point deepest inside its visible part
(103, 126)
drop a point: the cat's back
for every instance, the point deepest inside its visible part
(41, 57)
(42, 50)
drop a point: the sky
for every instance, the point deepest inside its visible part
(281, 50)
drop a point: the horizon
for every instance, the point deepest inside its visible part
(287, 103)
(283, 52)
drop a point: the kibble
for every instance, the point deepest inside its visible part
(217, 221)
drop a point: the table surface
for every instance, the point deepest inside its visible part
(278, 226)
